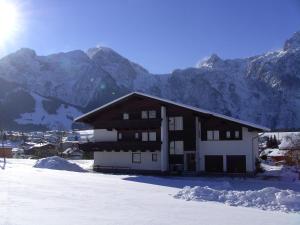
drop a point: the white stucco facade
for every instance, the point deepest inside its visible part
(123, 160)
(248, 146)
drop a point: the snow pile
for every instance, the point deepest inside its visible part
(269, 198)
(279, 172)
(57, 163)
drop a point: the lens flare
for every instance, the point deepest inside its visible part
(8, 21)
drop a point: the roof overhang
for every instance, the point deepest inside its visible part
(166, 101)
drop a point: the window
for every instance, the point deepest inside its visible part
(144, 136)
(228, 135)
(179, 147)
(136, 135)
(210, 135)
(172, 147)
(171, 123)
(152, 114)
(176, 123)
(125, 116)
(119, 136)
(176, 147)
(213, 135)
(154, 157)
(237, 134)
(216, 135)
(136, 157)
(152, 136)
(144, 115)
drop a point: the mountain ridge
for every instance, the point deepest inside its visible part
(264, 89)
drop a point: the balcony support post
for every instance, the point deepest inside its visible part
(164, 157)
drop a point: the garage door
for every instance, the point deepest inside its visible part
(236, 163)
(214, 163)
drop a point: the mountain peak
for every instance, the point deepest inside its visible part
(27, 52)
(210, 61)
(91, 52)
(293, 42)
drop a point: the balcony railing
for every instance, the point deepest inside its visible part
(128, 124)
(121, 146)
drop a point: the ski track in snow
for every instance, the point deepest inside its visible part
(60, 120)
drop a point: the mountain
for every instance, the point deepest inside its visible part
(47, 92)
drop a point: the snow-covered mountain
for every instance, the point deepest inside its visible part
(48, 91)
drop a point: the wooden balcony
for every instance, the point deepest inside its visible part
(128, 124)
(121, 146)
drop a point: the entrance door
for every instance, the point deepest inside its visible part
(191, 161)
(214, 163)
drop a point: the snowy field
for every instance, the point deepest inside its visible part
(43, 196)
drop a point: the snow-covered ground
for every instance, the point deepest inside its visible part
(43, 196)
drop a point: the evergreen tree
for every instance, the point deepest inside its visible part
(275, 144)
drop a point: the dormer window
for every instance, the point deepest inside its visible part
(125, 116)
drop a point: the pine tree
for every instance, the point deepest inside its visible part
(275, 144)
(268, 142)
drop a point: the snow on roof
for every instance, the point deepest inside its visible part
(39, 145)
(6, 145)
(177, 104)
(277, 152)
(290, 142)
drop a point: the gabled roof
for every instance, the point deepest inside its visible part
(203, 111)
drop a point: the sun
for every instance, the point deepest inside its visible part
(8, 20)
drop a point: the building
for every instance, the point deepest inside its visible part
(6, 151)
(291, 144)
(146, 134)
(42, 150)
(73, 153)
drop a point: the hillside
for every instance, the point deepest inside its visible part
(47, 92)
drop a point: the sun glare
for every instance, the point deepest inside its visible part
(8, 21)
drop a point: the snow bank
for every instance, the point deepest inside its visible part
(269, 198)
(57, 163)
(280, 172)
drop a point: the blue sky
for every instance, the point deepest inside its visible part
(161, 35)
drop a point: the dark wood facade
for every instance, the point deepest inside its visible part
(111, 117)
(121, 146)
(222, 126)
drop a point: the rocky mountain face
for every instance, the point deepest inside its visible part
(47, 92)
